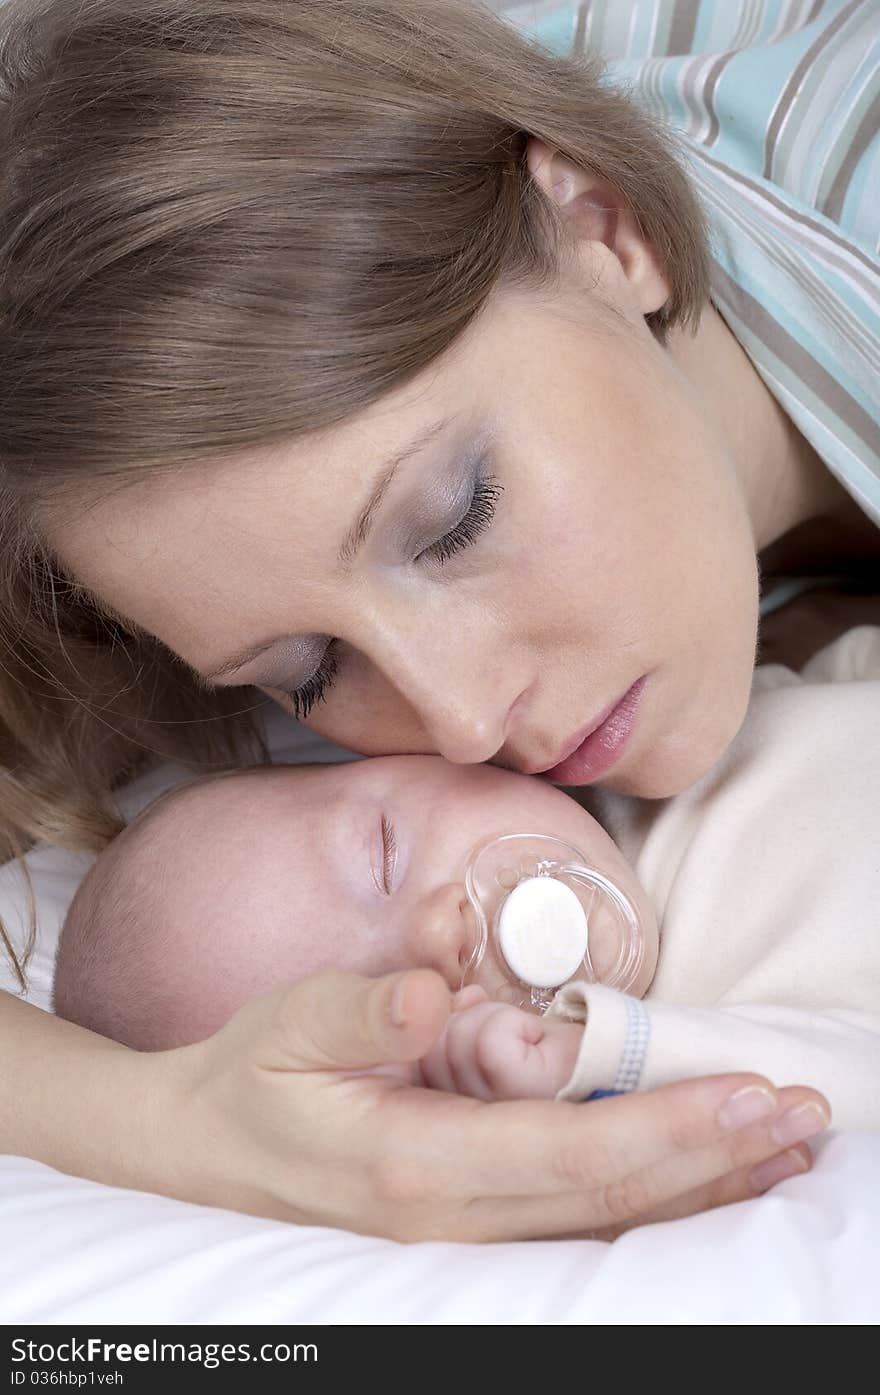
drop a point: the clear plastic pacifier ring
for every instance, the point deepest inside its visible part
(544, 917)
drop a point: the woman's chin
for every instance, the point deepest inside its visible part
(672, 766)
(684, 736)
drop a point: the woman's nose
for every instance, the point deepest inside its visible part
(463, 701)
(465, 738)
(443, 933)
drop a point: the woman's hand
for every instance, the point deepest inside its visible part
(270, 1116)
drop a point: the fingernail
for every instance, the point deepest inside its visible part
(804, 1121)
(767, 1174)
(398, 1016)
(751, 1103)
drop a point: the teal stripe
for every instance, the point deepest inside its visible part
(836, 50)
(829, 154)
(859, 212)
(640, 39)
(748, 252)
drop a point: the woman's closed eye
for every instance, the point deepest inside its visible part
(476, 520)
(314, 689)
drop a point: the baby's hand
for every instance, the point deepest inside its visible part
(495, 1052)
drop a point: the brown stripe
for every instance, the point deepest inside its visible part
(580, 29)
(809, 280)
(684, 22)
(709, 93)
(832, 204)
(797, 359)
(832, 234)
(794, 82)
(737, 48)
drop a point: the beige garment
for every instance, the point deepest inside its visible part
(766, 880)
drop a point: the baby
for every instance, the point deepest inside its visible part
(764, 879)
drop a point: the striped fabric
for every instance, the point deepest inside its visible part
(776, 105)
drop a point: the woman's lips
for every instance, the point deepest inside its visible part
(598, 747)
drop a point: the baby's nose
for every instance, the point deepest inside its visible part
(444, 936)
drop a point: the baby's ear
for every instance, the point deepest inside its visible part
(468, 998)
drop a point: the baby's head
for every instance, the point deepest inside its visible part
(242, 883)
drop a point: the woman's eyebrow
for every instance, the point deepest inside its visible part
(354, 539)
(236, 661)
(360, 529)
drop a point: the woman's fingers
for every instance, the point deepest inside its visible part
(533, 1169)
(742, 1185)
(539, 1218)
(628, 1201)
(752, 1179)
(681, 1136)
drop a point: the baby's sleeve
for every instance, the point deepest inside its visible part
(641, 1044)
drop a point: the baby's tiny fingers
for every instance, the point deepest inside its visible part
(508, 1059)
(469, 997)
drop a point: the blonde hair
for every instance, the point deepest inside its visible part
(228, 223)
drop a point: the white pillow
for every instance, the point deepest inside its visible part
(77, 1251)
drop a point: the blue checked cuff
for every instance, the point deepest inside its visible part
(614, 1048)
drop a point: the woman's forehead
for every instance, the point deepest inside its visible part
(307, 490)
(317, 480)
(214, 556)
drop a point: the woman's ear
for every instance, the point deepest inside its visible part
(598, 213)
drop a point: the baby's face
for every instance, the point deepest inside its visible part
(274, 874)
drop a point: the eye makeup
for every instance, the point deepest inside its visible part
(476, 519)
(473, 521)
(315, 688)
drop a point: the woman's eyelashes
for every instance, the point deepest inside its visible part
(476, 519)
(314, 689)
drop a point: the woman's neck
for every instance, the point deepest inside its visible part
(797, 508)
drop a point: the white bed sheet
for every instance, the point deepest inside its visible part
(74, 1251)
(77, 1251)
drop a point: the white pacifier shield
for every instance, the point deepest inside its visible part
(542, 930)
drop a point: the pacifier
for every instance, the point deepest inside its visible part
(544, 918)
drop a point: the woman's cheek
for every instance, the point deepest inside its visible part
(698, 701)
(366, 714)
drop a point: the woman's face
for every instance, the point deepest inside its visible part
(576, 525)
